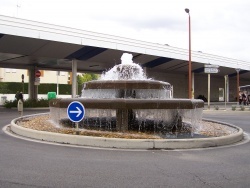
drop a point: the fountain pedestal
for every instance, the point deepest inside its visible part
(122, 120)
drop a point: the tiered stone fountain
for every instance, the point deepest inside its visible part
(125, 99)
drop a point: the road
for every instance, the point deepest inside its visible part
(32, 164)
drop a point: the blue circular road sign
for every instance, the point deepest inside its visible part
(76, 111)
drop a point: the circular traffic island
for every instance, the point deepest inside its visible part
(40, 127)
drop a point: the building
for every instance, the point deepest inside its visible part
(66, 49)
(15, 75)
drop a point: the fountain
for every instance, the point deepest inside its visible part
(124, 99)
(125, 109)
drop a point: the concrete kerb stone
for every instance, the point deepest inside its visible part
(127, 143)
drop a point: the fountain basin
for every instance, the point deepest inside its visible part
(138, 89)
(126, 84)
(123, 103)
(127, 112)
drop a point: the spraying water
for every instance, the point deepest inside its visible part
(127, 70)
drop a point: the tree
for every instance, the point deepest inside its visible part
(86, 77)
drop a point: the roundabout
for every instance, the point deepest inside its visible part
(125, 143)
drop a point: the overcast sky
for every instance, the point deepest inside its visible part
(219, 27)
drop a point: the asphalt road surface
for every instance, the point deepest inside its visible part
(33, 164)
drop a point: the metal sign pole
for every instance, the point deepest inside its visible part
(77, 128)
(210, 69)
(225, 97)
(208, 88)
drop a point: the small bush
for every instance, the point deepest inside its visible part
(216, 107)
(233, 108)
(29, 103)
(242, 108)
(10, 104)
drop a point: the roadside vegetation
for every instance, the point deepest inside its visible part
(64, 89)
(29, 103)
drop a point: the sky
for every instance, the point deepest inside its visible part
(218, 27)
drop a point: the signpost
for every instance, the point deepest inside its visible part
(23, 81)
(37, 77)
(38, 74)
(76, 112)
(210, 69)
(37, 81)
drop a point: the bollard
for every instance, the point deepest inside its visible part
(20, 107)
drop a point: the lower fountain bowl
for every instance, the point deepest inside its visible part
(170, 113)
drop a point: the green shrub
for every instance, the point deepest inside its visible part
(233, 107)
(13, 87)
(216, 107)
(242, 108)
(29, 103)
(10, 104)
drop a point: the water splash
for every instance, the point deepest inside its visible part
(127, 59)
(127, 70)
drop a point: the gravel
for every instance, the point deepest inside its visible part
(43, 123)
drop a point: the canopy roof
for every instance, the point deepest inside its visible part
(25, 43)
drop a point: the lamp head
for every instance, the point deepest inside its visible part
(187, 10)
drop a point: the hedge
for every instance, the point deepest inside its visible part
(13, 87)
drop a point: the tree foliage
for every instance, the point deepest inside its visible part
(86, 77)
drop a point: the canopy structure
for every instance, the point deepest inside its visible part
(26, 44)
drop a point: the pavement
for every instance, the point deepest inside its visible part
(25, 163)
(224, 106)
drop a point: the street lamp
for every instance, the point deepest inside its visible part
(189, 62)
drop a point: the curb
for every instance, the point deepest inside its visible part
(127, 143)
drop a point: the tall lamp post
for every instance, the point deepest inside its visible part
(189, 62)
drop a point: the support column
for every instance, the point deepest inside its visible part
(226, 88)
(225, 92)
(32, 88)
(238, 84)
(57, 82)
(74, 78)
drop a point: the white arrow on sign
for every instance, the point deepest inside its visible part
(211, 70)
(78, 112)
